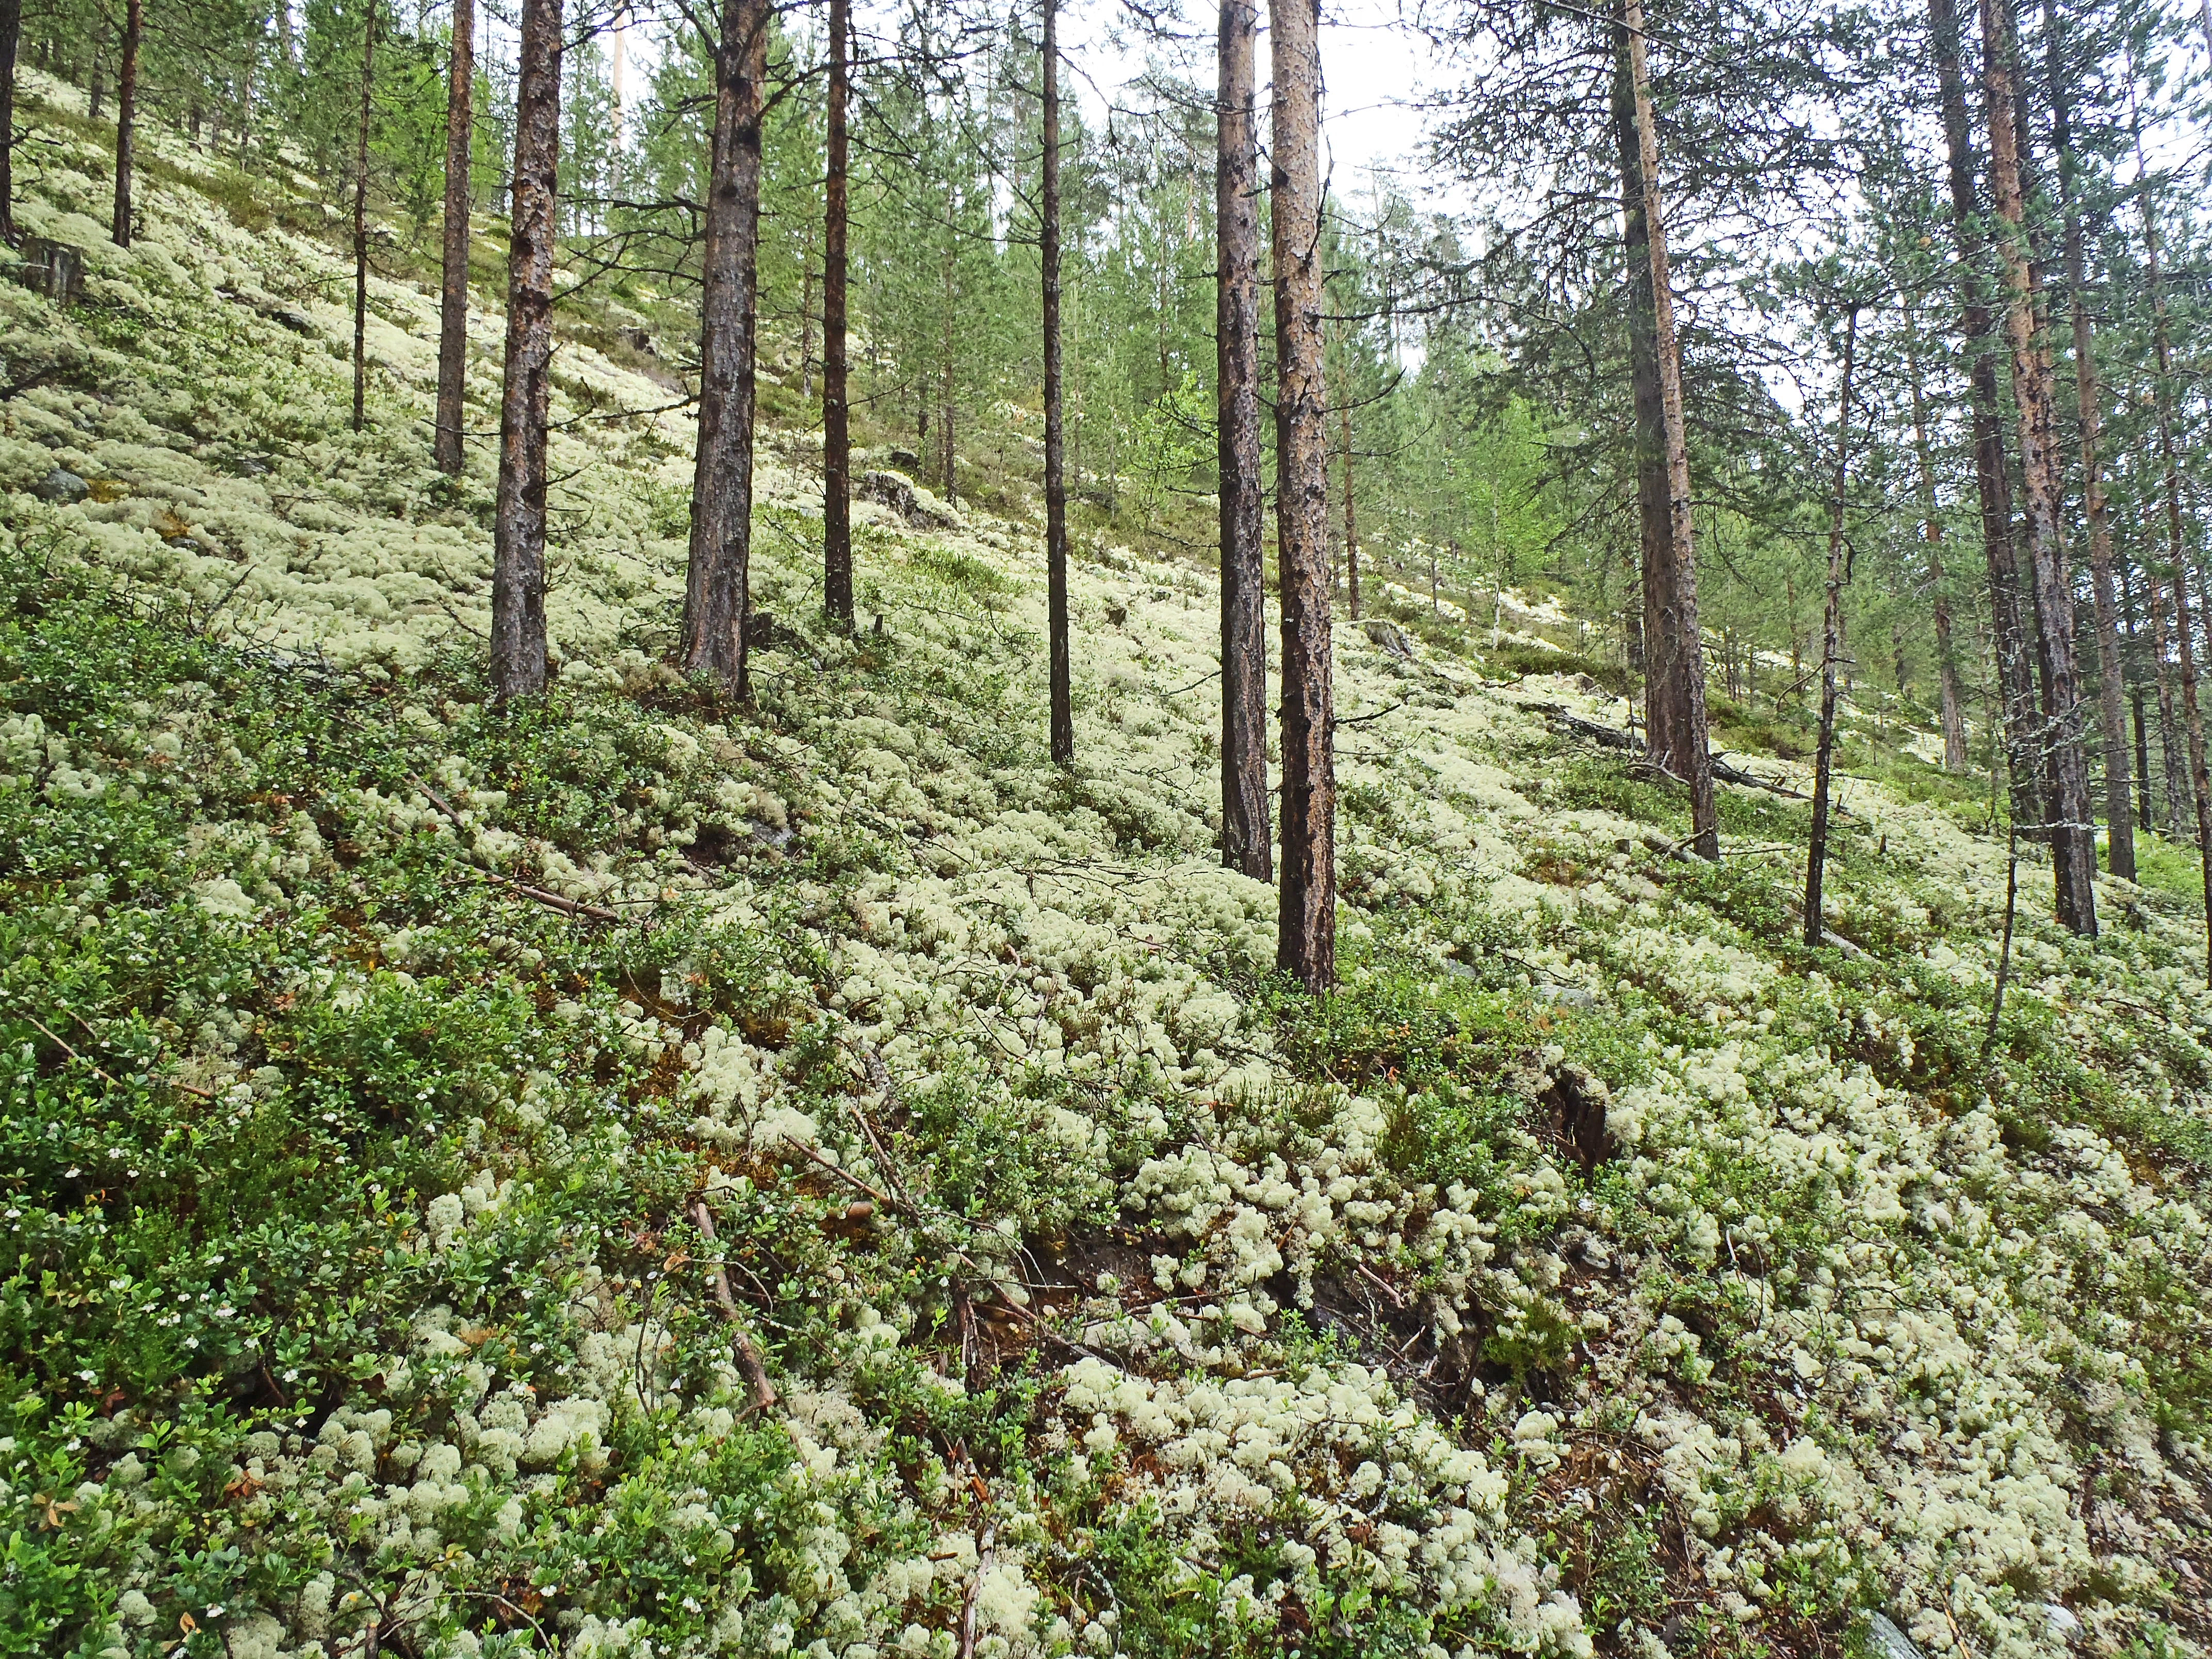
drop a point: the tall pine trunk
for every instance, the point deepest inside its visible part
(1245, 841)
(518, 580)
(1951, 716)
(126, 120)
(2180, 800)
(1831, 647)
(1993, 479)
(1673, 644)
(1055, 481)
(836, 412)
(1305, 945)
(715, 597)
(948, 294)
(11, 33)
(361, 219)
(2119, 791)
(2177, 543)
(453, 295)
(1653, 531)
(2073, 827)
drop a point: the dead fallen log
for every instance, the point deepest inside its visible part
(1612, 737)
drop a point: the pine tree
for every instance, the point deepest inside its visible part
(453, 292)
(716, 594)
(361, 218)
(2073, 830)
(2009, 625)
(1056, 483)
(2120, 838)
(11, 32)
(126, 119)
(1832, 645)
(836, 413)
(518, 604)
(1674, 646)
(1245, 827)
(1305, 945)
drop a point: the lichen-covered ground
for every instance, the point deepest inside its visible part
(1600, 1271)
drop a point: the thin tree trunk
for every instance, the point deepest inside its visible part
(2146, 812)
(453, 295)
(1305, 944)
(2200, 786)
(1245, 842)
(2181, 798)
(836, 413)
(2177, 547)
(2073, 830)
(1840, 573)
(2142, 757)
(2119, 794)
(1993, 479)
(518, 585)
(11, 32)
(98, 79)
(361, 220)
(1351, 528)
(716, 587)
(1654, 530)
(1951, 715)
(1674, 640)
(949, 293)
(806, 317)
(126, 120)
(1055, 482)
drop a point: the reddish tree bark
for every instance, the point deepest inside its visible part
(518, 583)
(1305, 945)
(2073, 828)
(453, 294)
(1992, 480)
(2120, 784)
(1674, 647)
(1245, 843)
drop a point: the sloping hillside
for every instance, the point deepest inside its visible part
(637, 1175)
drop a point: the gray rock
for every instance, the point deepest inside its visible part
(1566, 996)
(897, 492)
(1886, 1641)
(61, 485)
(1388, 635)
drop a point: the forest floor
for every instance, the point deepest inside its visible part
(639, 1175)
